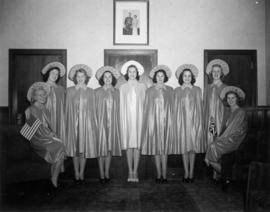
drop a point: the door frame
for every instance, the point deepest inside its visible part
(12, 54)
(252, 52)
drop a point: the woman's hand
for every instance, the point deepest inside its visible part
(27, 113)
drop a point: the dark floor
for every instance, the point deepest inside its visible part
(202, 195)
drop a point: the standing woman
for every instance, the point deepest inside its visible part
(80, 119)
(233, 131)
(158, 131)
(132, 95)
(52, 73)
(188, 119)
(44, 141)
(213, 106)
(108, 123)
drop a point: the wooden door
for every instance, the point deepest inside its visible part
(25, 67)
(243, 70)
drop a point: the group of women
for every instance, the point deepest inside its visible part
(84, 123)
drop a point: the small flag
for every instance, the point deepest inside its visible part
(28, 131)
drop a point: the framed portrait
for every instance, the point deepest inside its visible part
(131, 22)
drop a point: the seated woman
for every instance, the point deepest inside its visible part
(44, 141)
(233, 131)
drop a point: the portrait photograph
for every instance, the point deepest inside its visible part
(131, 22)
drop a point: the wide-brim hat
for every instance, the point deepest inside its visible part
(77, 67)
(132, 62)
(36, 86)
(234, 89)
(160, 67)
(111, 69)
(191, 67)
(54, 65)
(224, 66)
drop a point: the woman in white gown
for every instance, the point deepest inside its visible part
(132, 94)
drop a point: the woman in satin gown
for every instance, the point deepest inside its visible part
(132, 94)
(213, 106)
(233, 130)
(157, 130)
(108, 119)
(45, 141)
(55, 104)
(80, 120)
(188, 119)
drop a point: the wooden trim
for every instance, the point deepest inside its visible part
(122, 52)
(4, 115)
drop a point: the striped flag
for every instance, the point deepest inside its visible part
(28, 131)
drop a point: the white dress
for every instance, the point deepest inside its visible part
(132, 96)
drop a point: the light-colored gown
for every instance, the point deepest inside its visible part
(213, 109)
(188, 121)
(81, 122)
(55, 105)
(234, 131)
(132, 95)
(157, 130)
(108, 123)
(45, 142)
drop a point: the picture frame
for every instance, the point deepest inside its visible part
(131, 22)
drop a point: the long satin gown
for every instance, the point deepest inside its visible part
(81, 122)
(188, 121)
(108, 122)
(157, 130)
(234, 132)
(45, 142)
(55, 105)
(213, 109)
(132, 95)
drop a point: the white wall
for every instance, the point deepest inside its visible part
(267, 46)
(179, 29)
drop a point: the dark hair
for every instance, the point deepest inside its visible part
(155, 76)
(239, 101)
(101, 80)
(87, 78)
(181, 81)
(47, 74)
(126, 75)
(210, 76)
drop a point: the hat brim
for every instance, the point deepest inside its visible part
(234, 89)
(36, 86)
(158, 68)
(191, 67)
(224, 66)
(77, 67)
(54, 65)
(103, 69)
(132, 62)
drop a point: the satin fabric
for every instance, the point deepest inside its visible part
(213, 107)
(157, 130)
(81, 122)
(45, 142)
(132, 95)
(235, 130)
(188, 121)
(55, 105)
(108, 121)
